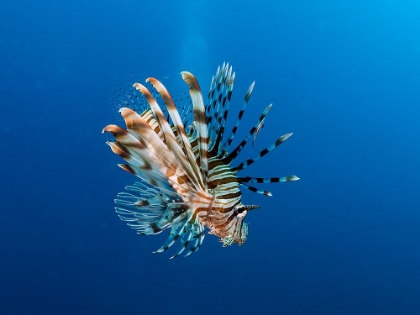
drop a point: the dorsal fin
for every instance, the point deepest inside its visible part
(200, 121)
(181, 134)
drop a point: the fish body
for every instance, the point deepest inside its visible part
(188, 174)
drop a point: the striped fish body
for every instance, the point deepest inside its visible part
(188, 180)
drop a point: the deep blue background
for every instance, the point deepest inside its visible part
(344, 77)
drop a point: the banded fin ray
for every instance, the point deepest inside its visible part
(240, 115)
(140, 148)
(200, 121)
(256, 190)
(177, 226)
(143, 207)
(144, 164)
(197, 234)
(185, 238)
(171, 158)
(234, 153)
(169, 137)
(223, 114)
(182, 136)
(263, 152)
(261, 180)
(219, 100)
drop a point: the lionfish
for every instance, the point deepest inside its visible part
(188, 173)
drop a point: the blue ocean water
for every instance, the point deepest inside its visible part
(343, 76)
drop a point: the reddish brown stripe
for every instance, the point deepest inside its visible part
(221, 181)
(118, 149)
(194, 143)
(127, 168)
(215, 163)
(225, 209)
(204, 140)
(230, 196)
(169, 173)
(182, 179)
